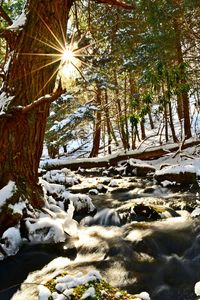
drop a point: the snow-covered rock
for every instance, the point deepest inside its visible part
(11, 241)
(183, 174)
(64, 176)
(197, 288)
(44, 292)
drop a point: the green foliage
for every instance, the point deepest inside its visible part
(13, 7)
(63, 124)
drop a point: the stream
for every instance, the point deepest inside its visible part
(154, 247)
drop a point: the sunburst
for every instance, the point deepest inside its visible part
(67, 55)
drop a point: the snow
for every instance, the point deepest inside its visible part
(195, 212)
(93, 192)
(4, 102)
(73, 118)
(118, 295)
(177, 169)
(44, 292)
(64, 176)
(80, 201)
(45, 230)
(7, 64)
(65, 284)
(6, 192)
(68, 282)
(144, 296)
(197, 288)
(19, 22)
(11, 241)
(89, 293)
(166, 183)
(120, 153)
(52, 187)
(18, 207)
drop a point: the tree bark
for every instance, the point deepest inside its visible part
(182, 98)
(107, 113)
(175, 139)
(22, 125)
(120, 114)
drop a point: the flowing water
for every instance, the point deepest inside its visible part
(157, 253)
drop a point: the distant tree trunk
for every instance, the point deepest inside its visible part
(53, 151)
(113, 134)
(151, 120)
(65, 148)
(126, 112)
(166, 123)
(22, 126)
(142, 127)
(97, 131)
(120, 114)
(182, 98)
(108, 122)
(175, 139)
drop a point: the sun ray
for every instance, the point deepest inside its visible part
(66, 51)
(55, 37)
(41, 54)
(54, 47)
(91, 67)
(72, 39)
(46, 65)
(50, 78)
(38, 69)
(62, 31)
(78, 69)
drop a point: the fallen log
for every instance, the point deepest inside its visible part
(149, 153)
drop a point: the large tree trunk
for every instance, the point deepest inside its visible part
(22, 125)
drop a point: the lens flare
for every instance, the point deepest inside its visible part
(68, 55)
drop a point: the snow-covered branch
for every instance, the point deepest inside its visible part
(41, 100)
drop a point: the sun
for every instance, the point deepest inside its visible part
(68, 55)
(70, 62)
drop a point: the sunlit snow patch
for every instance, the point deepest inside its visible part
(6, 192)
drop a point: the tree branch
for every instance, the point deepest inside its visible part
(46, 98)
(5, 16)
(117, 3)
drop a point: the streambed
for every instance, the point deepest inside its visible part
(159, 255)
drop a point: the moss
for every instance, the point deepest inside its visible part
(103, 291)
(51, 284)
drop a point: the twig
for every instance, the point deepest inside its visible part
(180, 148)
